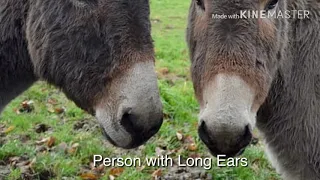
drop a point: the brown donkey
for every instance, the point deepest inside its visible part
(99, 52)
(263, 71)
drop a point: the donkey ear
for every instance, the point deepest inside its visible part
(317, 86)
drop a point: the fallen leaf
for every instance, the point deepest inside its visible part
(50, 109)
(192, 147)
(59, 110)
(99, 169)
(157, 173)
(26, 106)
(51, 141)
(164, 71)
(89, 176)
(179, 136)
(9, 129)
(42, 141)
(117, 171)
(52, 101)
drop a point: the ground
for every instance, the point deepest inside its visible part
(45, 136)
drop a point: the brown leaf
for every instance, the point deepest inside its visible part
(51, 141)
(192, 147)
(157, 173)
(99, 169)
(117, 171)
(26, 106)
(59, 110)
(179, 136)
(164, 71)
(52, 101)
(42, 141)
(89, 176)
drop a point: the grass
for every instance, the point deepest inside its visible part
(180, 108)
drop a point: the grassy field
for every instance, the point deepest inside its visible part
(45, 136)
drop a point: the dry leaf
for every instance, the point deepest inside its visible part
(52, 101)
(50, 109)
(42, 141)
(59, 110)
(89, 176)
(157, 173)
(99, 169)
(192, 147)
(116, 171)
(26, 106)
(179, 136)
(9, 129)
(164, 71)
(51, 141)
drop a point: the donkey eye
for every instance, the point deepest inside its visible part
(200, 3)
(272, 4)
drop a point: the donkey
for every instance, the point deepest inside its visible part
(262, 72)
(98, 52)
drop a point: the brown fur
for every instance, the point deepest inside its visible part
(280, 60)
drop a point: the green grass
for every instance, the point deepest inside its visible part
(180, 108)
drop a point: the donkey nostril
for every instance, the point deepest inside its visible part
(128, 122)
(203, 132)
(246, 137)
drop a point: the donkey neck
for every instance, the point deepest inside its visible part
(290, 117)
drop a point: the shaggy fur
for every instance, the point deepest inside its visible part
(280, 60)
(77, 45)
(99, 52)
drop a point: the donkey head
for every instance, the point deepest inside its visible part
(100, 53)
(233, 63)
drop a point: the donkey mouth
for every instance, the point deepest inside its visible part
(220, 147)
(215, 152)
